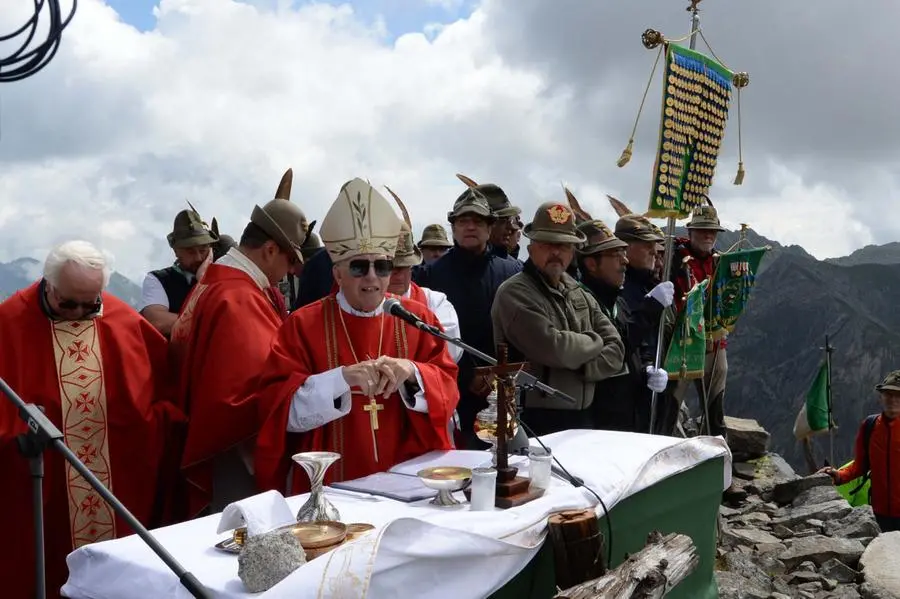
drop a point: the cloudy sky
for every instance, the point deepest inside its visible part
(149, 103)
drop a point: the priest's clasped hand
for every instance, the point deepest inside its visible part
(394, 372)
(383, 376)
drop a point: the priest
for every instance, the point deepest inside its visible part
(345, 376)
(220, 342)
(99, 371)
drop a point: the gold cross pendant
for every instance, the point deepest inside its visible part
(372, 408)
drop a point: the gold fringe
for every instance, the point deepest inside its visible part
(739, 177)
(625, 158)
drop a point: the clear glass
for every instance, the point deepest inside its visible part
(539, 462)
(484, 489)
(486, 423)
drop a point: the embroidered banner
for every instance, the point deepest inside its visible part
(696, 94)
(687, 351)
(734, 279)
(82, 393)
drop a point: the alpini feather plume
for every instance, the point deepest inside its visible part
(576, 207)
(466, 180)
(402, 206)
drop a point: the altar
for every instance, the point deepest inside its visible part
(420, 550)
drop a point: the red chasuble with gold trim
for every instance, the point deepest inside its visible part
(219, 345)
(105, 383)
(312, 341)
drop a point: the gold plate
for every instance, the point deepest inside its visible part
(315, 535)
(445, 473)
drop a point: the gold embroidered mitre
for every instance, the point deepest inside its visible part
(361, 221)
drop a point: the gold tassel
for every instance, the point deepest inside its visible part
(625, 158)
(740, 81)
(739, 177)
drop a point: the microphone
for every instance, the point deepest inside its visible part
(393, 307)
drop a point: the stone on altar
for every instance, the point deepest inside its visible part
(267, 559)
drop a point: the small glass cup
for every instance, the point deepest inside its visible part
(484, 489)
(539, 462)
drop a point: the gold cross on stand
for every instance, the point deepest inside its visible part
(372, 408)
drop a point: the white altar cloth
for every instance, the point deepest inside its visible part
(416, 550)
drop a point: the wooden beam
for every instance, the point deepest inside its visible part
(648, 574)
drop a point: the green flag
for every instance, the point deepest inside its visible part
(733, 280)
(817, 401)
(687, 351)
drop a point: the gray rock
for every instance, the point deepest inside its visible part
(747, 536)
(747, 568)
(879, 564)
(801, 576)
(779, 596)
(734, 586)
(811, 524)
(844, 591)
(753, 518)
(728, 512)
(810, 587)
(746, 438)
(831, 510)
(782, 532)
(786, 491)
(819, 549)
(267, 559)
(744, 470)
(838, 571)
(858, 524)
(867, 590)
(765, 549)
(816, 495)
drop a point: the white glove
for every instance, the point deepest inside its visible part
(657, 379)
(664, 293)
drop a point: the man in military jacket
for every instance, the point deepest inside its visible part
(547, 318)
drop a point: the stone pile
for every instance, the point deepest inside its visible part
(783, 536)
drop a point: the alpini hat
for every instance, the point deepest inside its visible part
(497, 199)
(890, 383)
(360, 221)
(471, 201)
(705, 217)
(407, 254)
(435, 236)
(281, 219)
(634, 227)
(599, 238)
(553, 223)
(189, 230)
(312, 244)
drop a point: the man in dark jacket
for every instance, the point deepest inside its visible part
(646, 297)
(619, 400)
(469, 275)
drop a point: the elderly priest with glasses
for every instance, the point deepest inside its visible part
(345, 376)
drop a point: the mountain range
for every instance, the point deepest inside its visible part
(778, 343)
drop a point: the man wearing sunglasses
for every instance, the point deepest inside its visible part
(99, 371)
(221, 341)
(348, 376)
(164, 291)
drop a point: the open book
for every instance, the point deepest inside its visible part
(401, 483)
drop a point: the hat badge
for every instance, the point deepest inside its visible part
(558, 214)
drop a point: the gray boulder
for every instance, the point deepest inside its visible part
(269, 558)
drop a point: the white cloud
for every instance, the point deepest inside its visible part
(109, 141)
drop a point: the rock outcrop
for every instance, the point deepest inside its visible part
(782, 535)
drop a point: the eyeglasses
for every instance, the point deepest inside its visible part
(360, 268)
(67, 304)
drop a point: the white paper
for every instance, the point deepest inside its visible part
(463, 458)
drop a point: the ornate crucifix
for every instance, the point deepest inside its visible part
(512, 490)
(372, 408)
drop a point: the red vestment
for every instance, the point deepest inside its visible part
(417, 295)
(218, 346)
(312, 341)
(104, 382)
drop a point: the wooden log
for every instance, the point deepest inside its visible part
(577, 547)
(649, 574)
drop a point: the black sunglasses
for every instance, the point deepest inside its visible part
(67, 304)
(360, 268)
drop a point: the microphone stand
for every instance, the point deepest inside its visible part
(43, 433)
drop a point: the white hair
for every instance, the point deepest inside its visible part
(82, 253)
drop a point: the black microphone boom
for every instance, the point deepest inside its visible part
(524, 379)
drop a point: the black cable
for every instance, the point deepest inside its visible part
(23, 62)
(577, 482)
